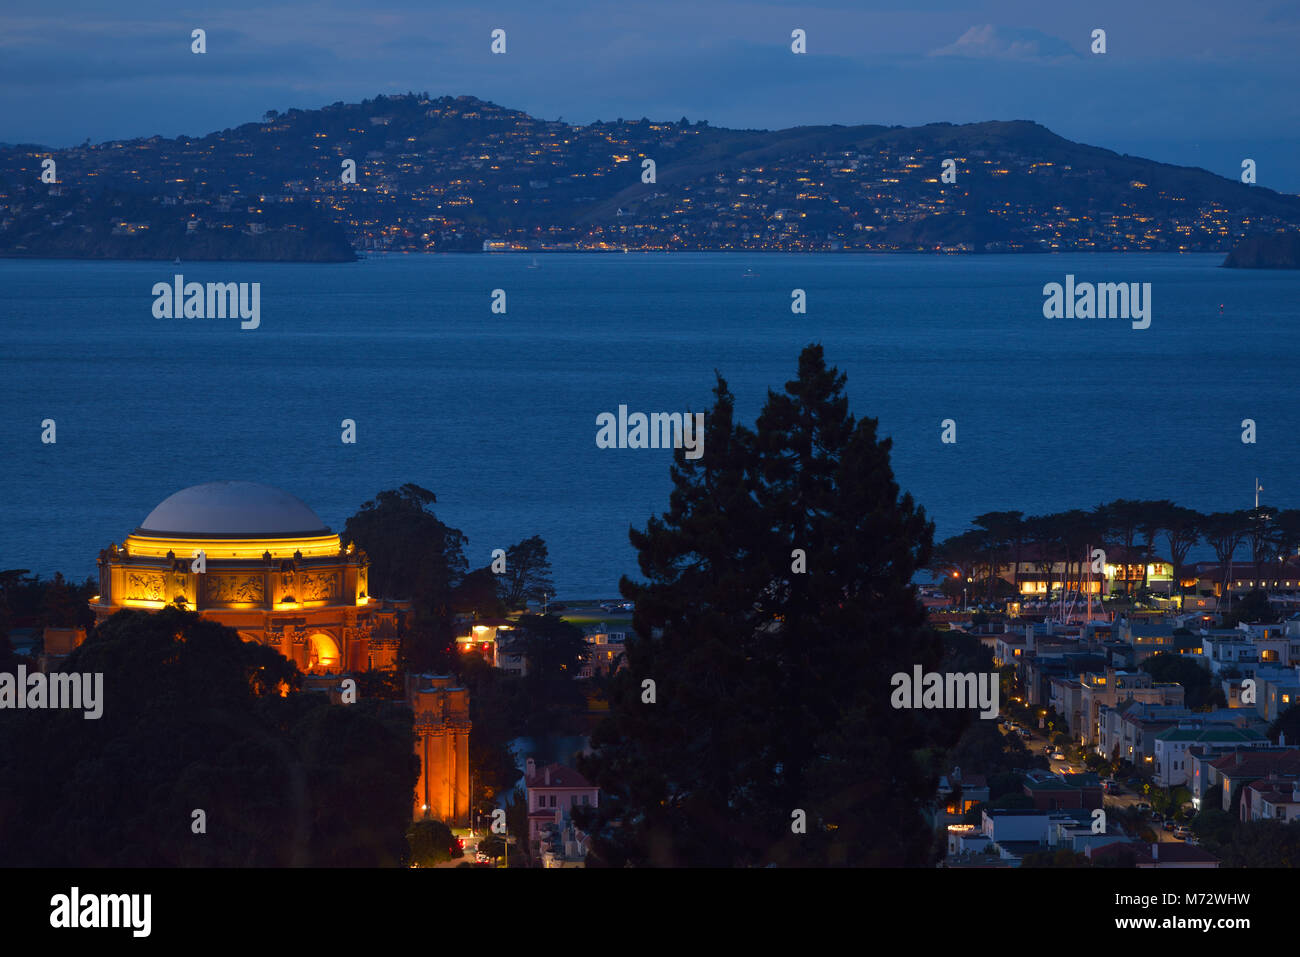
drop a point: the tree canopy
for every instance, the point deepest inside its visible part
(1199, 691)
(777, 604)
(415, 556)
(528, 573)
(412, 554)
(196, 719)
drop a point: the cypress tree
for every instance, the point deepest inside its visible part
(776, 605)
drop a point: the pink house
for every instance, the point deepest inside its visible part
(553, 791)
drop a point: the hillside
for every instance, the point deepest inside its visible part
(459, 173)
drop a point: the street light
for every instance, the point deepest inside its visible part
(506, 838)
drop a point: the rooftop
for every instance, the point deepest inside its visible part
(232, 510)
(560, 777)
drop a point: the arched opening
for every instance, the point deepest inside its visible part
(322, 653)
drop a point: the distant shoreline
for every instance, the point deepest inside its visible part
(363, 255)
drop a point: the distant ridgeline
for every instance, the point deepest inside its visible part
(415, 174)
(1270, 251)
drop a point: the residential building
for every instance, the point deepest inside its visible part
(1065, 792)
(1274, 798)
(1085, 697)
(1172, 765)
(1276, 691)
(1229, 773)
(974, 789)
(552, 792)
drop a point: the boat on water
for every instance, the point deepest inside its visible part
(176, 261)
(534, 264)
(749, 273)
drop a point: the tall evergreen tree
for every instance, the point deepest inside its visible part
(778, 604)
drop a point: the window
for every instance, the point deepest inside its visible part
(573, 800)
(552, 800)
(584, 800)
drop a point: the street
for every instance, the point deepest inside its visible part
(1123, 798)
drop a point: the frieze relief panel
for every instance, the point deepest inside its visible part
(219, 588)
(320, 586)
(145, 586)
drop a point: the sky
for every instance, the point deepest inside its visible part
(1195, 82)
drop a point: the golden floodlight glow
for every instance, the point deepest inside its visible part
(272, 570)
(313, 546)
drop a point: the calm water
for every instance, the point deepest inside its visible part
(496, 414)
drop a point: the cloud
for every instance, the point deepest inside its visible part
(988, 42)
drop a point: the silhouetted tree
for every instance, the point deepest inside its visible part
(1182, 528)
(415, 556)
(528, 573)
(477, 594)
(772, 684)
(1224, 532)
(430, 843)
(412, 554)
(1198, 689)
(195, 717)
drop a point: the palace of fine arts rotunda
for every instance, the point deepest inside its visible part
(258, 560)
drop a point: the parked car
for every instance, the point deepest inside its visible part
(1169, 824)
(1058, 756)
(1183, 831)
(1143, 807)
(1109, 787)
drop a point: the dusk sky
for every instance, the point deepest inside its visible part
(1198, 82)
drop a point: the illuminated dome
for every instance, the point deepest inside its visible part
(232, 510)
(256, 559)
